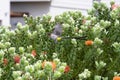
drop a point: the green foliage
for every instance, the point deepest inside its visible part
(95, 58)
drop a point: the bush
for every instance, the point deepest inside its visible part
(26, 52)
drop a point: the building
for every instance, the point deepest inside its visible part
(5, 12)
(40, 7)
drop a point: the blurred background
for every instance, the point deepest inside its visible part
(11, 11)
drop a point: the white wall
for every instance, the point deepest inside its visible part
(5, 12)
(59, 6)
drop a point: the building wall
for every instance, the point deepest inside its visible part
(59, 6)
(5, 12)
(34, 9)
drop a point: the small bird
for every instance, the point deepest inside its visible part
(57, 32)
(55, 35)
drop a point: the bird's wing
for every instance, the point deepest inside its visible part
(58, 30)
(53, 36)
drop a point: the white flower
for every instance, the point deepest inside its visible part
(61, 69)
(40, 73)
(84, 75)
(18, 78)
(11, 50)
(2, 45)
(116, 46)
(16, 74)
(100, 64)
(117, 23)
(7, 44)
(26, 75)
(37, 65)
(99, 51)
(48, 66)
(19, 25)
(57, 61)
(30, 68)
(97, 29)
(63, 64)
(74, 42)
(21, 49)
(1, 72)
(54, 55)
(84, 28)
(1, 54)
(98, 41)
(57, 74)
(97, 77)
(29, 48)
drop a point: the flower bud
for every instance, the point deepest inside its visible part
(29, 68)
(5, 61)
(48, 66)
(11, 50)
(80, 31)
(73, 41)
(18, 78)
(65, 26)
(67, 69)
(34, 53)
(96, 77)
(84, 28)
(12, 33)
(1, 72)
(41, 31)
(61, 69)
(7, 44)
(29, 35)
(63, 64)
(112, 2)
(17, 59)
(27, 75)
(57, 74)
(39, 26)
(29, 48)
(117, 23)
(99, 51)
(21, 49)
(40, 73)
(19, 25)
(2, 46)
(25, 27)
(116, 45)
(25, 16)
(16, 74)
(96, 4)
(34, 34)
(24, 62)
(85, 74)
(57, 61)
(54, 55)
(1, 54)
(37, 65)
(100, 64)
(98, 41)
(88, 42)
(116, 78)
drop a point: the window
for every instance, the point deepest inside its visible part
(29, 0)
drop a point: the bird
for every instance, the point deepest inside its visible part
(57, 32)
